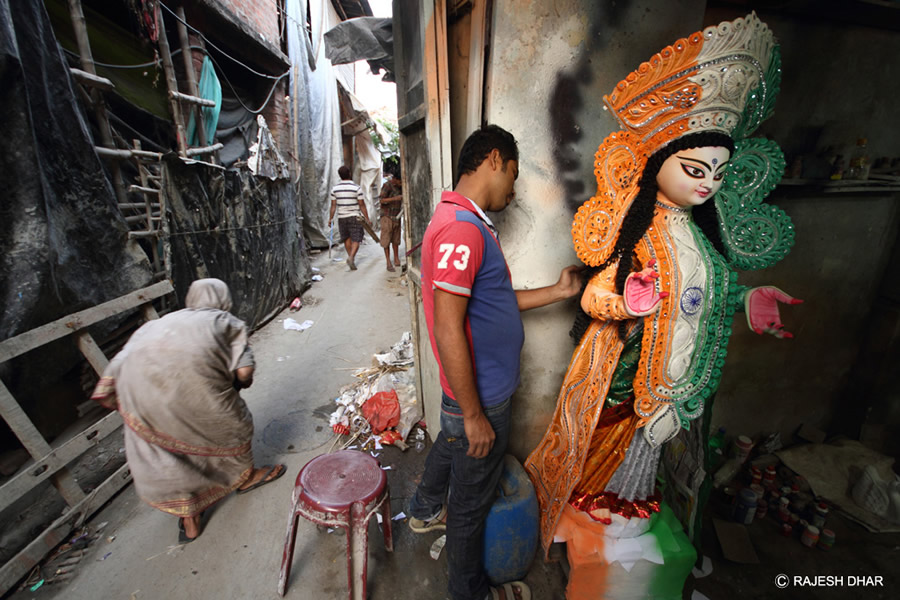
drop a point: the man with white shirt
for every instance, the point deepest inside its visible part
(348, 201)
(476, 334)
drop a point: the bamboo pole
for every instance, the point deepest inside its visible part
(97, 101)
(191, 79)
(171, 83)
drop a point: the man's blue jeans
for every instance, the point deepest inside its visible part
(472, 485)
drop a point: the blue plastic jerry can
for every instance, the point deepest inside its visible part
(512, 527)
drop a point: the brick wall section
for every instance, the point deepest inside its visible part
(278, 116)
(259, 15)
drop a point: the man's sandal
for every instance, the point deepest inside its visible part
(432, 524)
(509, 592)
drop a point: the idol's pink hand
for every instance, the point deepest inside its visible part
(640, 294)
(761, 305)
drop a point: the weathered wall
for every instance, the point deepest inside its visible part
(550, 65)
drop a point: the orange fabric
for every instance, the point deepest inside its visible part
(611, 439)
(555, 466)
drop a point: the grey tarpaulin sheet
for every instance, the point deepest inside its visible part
(63, 244)
(318, 118)
(236, 128)
(363, 38)
(239, 228)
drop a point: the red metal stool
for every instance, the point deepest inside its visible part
(342, 489)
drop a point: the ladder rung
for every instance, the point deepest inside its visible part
(124, 154)
(204, 149)
(89, 79)
(191, 99)
(139, 218)
(142, 234)
(139, 205)
(142, 189)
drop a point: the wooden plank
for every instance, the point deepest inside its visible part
(171, 83)
(89, 79)
(475, 85)
(91, 351)
(414, 116)
(30, 340)
(142, 234)
(147, 309)
(21, 564)
(188, 56)
(144, 190)
(35, 444)
(191, 99)
(205, 149)
(126, 154)
(139, 205)
(24, 482)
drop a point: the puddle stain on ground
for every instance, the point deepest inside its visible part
(295, 432)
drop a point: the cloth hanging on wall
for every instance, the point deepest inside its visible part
(210, 89)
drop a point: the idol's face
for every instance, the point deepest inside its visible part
(691, 177)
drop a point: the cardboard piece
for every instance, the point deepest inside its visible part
(735, 542)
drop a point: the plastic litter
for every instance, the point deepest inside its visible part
(317, 278)
(437, 546)
(382, 411)
(296, 304)
(289, 323)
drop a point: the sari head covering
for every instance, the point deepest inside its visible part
(209, 293)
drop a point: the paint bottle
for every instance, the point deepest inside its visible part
(826, 540)
(741, 448)
(762, 508)
(784, 510)
(768, 477)
(755, 475)
(745, 508)
(820, 514)
(810, 536)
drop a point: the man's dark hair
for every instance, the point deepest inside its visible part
(344, 172)
(478, 145)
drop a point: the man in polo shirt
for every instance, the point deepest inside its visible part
(348, 201)
(476, 334)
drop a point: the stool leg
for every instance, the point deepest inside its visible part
(357, 551)
(287, 555)
(386, 520)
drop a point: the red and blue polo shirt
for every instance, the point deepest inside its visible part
(461, 255)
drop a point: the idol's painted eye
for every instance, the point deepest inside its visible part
(692, 171)
(718, 176)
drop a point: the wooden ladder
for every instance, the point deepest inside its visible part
(51, 462)
(176, 97)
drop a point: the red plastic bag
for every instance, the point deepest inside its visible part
(382, 411)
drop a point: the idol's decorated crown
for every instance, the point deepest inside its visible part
(723, 79)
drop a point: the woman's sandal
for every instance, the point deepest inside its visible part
(267, 478)
(509, 592)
